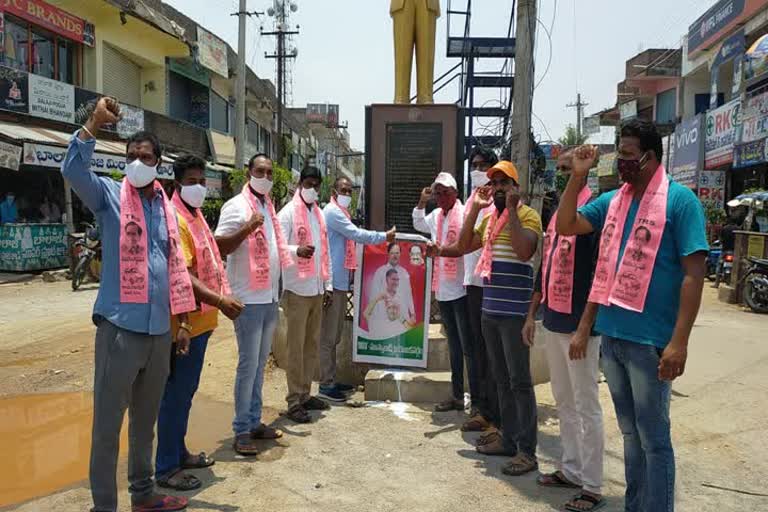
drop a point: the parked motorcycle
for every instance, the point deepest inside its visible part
(755, 283)
(87, 253)
(713, 260)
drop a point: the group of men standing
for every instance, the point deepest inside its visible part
(638, 284)
(164, 280)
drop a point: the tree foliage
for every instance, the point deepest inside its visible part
(570, 138)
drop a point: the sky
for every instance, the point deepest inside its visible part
(345, 53)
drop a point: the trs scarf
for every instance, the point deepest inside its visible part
(304, 236)
(447, 268)
(258, 245)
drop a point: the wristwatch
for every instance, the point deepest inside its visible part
(186, 327)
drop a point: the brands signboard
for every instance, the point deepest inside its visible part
(687, 153)
(51, 18)
(722, 126)
(751, 153)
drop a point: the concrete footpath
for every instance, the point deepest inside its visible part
(384, 456)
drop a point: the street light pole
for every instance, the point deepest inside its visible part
(523, 93)
(240, 136)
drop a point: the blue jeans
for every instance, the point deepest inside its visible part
(254, 328)
(641, 401)
(174, 409)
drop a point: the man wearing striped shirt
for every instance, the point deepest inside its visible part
(509, 241)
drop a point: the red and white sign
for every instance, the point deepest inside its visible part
(52, 18)
(712, 187)
(722, 127)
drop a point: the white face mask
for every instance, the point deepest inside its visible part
(479, 179)
(309, 195)
(194, 195)
(344, 201)
(140, 175)
(261, 185)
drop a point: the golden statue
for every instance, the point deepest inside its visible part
(414, 23)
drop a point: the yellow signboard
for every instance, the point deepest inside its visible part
(755, 245)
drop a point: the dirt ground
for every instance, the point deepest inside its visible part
(380, 457)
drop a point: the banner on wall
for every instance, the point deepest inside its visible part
(712, 187)
(721, 126)
(751, 153)
(754, 118)
(212, 52)
(44, 155)
(392, 303)
(51, 99)
(14, 90)
(687, 153)
(10, 156)
(52, 18)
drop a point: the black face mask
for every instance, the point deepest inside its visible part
(630, 170)
(500, 201)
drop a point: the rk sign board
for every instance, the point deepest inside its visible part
(712, 187)
(721, 125)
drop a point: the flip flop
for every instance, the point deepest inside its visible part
(180, 482)
(201, 460)
(166, 504)
(597, 503)
(557, 479)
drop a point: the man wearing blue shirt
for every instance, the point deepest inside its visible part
(133, 340)
(8, 210)
(643, 351)
(340, 231)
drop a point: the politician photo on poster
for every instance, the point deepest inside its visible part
(392, 302)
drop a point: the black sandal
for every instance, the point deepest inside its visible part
(180, 481)
(298, 414)
(201, 460)
(597, 503)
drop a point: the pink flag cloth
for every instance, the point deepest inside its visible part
(495, 224)
(627, 286)
(134, 265)
(209, 267)
(304, 237)
(447, 268)
(557, 277)
(350, 254)
(258, 245)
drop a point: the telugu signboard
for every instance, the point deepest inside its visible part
(25, 247)
(44, 155)
(51, 99)
(52, 18)
(721, 125)
(687, 153)
(10, 156)
(751, 153)
(712, 187)
(392, 301)
(212, 52)
(754, 118)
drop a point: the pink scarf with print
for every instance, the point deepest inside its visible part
(447, 268)
(627, 286)
(558, 264)
(258, 245)
(209, 268)
(304, 237)
(350, 254)
(134, 265)
(495, 224)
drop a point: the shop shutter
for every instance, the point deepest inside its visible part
(122, 77)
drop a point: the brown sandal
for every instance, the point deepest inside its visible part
(243, 445)
(520, 464)
(265, 432)
(476, 423)
(488, 437)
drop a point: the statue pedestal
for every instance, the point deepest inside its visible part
(405, 147)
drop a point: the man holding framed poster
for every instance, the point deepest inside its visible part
(393, 301)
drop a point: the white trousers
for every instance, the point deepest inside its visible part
(574, 386)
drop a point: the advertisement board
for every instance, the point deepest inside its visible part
(10, 156)
(754, 118)
(25, 247)
(721, 126)
(751, 153)
(687, 153)
(392, 303)
(14, 90)
(212, 52)
(712, 187)
(52, 18)
(51, 99)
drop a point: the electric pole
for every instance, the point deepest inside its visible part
(579, 106)
(280, 14)
(240, 112)
(523, 94)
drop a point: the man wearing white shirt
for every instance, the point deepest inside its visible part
(243, 223)
(305, 284)
(444, 225)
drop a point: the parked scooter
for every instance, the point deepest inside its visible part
(713, 259)
(87, 253)
(755, 283)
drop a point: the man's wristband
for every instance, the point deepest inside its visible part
(88, 132)
(186, 327)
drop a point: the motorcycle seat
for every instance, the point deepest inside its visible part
(762, 262)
